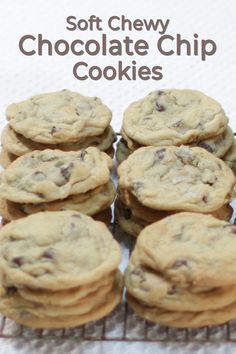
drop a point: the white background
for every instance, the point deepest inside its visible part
(21, 77)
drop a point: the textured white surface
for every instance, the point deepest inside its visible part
(22, 76)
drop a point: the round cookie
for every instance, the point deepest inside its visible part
(44, 176)
(84, 305)
(6, 158)
(59, 117)
(152, 289)
(90, 203)
(218, 145)
(18, 145)
(190, 248)
(139, 211)
(181, 319)
(66, 297)
(65, 249)
(177, 178)
(133, 224)
(25, 318)
(173, 117)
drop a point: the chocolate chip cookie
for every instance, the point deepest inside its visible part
(18, 145)
(44, 176)
(218, 145)
(152, 289)
(173, 117)
(191, 249)
(59, 117)
(90, 203)
(177, 178)
(65, 249)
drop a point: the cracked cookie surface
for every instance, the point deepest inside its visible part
(43, 176)
(65, 249)
(59, 117)
(173, 117)
(177, 178)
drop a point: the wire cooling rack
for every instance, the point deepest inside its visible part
(123, 325)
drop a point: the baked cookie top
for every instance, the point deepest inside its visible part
(56, 250)
(198, 250)
(59, 117)
(43, 176)
(173, 117)
(177, 178)
(18, 145)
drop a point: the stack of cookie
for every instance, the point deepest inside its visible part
(176, 117)
(62, 120)
(156, 182)
(58, 270)
(52, 180)
(182, 271)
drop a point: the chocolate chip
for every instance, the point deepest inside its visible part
(76, 216)
(160, 154)
(66, 171)
(178, 124)
(172, 291)
(11, 291)
(160, 107)
(49, 253)
(18, 261)
(160, 92)
(38, 176)
(177, 237)
(126, 213)
(41, 195)
(53, 130)
(204, 198)
(209, 183)
(205, 146)
(77, 112)
(12, 238)
(180, 263)
(82, 154)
